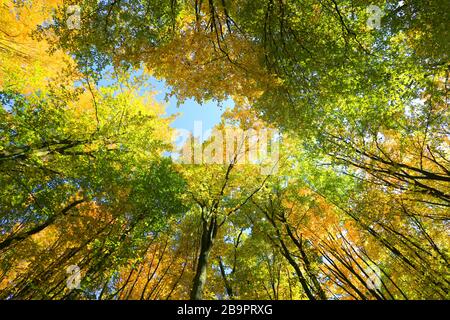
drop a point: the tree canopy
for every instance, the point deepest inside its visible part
(349, 200)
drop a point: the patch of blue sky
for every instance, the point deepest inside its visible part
(190, 111)
(197, 119)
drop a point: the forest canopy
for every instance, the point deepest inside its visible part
(329, 178)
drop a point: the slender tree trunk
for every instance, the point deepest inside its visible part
(36, 229)
(297, 269)
(208, 234)
(307, 264)
(228, 287)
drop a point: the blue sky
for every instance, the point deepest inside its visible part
(209, 113)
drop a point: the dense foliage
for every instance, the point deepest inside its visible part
(357, 208)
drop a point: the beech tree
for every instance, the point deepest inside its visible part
(354, 206)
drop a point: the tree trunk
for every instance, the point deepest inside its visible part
(36, 229)
(208, 235)
(228, 287)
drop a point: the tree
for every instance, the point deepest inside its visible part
(355, 205)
